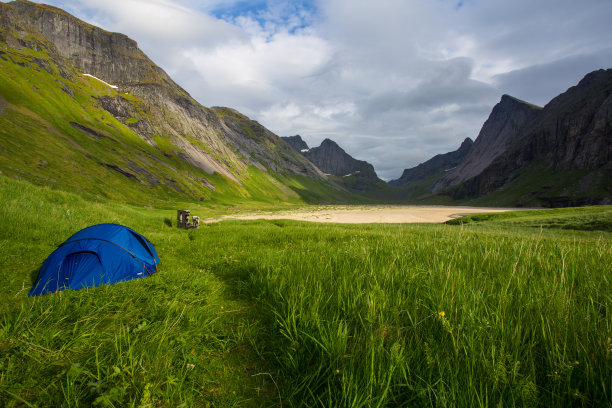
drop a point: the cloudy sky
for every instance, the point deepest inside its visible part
(394, 82)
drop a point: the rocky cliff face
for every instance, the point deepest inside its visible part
(574, 131)
(355, 175)
(263, 148)
(111, 56)
(331, 158)
(499, 132)
(568, 143)
(217, 141)
(438, 165)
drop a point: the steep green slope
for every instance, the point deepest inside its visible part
(55, 132)
(141, 139)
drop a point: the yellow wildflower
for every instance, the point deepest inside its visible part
(441, 314)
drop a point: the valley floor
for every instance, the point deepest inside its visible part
(511, 308)
(367, 214)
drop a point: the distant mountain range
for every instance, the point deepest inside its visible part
(83, 109)
(559, 155)
(356, 174)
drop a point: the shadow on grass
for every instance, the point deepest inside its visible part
(34, 276)
(236, 277)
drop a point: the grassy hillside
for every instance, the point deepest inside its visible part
(265, 313)
(54, 131)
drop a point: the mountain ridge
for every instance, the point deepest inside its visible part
(498, 133)
(560, 156)
(79, 100)
(101, 72)
(333, 160)
(438, 164)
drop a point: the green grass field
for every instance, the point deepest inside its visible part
(505, 310)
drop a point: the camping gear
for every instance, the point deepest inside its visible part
(182, 220)
(97, 255)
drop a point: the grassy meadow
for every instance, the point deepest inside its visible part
(505, 310)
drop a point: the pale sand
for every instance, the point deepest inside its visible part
(367, 214)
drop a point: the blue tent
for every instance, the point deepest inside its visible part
(97, 255)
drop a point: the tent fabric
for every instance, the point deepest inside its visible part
(97, 255)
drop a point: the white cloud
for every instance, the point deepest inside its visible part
(161, 22)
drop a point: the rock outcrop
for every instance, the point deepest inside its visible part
(113, 57)
(437, 166)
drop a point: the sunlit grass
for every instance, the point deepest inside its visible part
(263, 313)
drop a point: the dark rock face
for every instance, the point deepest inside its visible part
(332, 159)
(572, 134)
(434, 166)
(298, 144)
(574, 131)
(499, 132)
(113, 57)
(355, 175)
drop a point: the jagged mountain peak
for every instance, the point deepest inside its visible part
(498, 133)
(330, 157)
(466, 144)
(594, 77)
(561, 156)
(329, 142)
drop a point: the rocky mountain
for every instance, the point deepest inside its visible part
(357, 175)
(560, 155)
(73, 84)
(498, 133)
(436, 167)
(330, 158)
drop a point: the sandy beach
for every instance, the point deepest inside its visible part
(367, 214)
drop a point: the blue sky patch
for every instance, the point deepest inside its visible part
(293, 15)
(243, 8)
